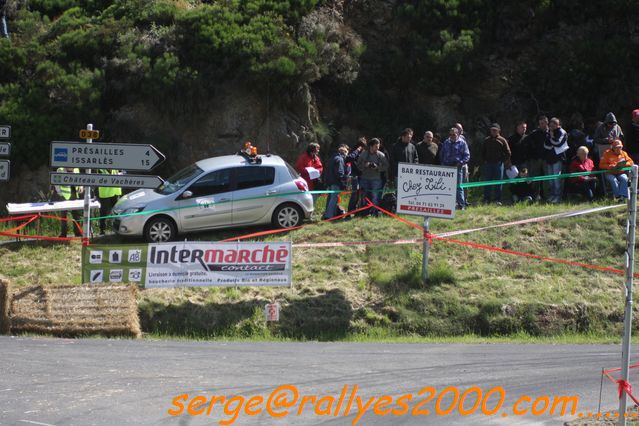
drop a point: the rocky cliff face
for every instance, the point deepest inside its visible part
(283, 124)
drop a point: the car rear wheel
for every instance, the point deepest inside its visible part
(159, 230)
(287, 216)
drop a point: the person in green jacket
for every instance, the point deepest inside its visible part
(67, 193)
(107, 196)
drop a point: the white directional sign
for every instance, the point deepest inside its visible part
(5, 170)
(5, 149)
(104, 180)
(5, 132)
(118, 156)
(425, 190)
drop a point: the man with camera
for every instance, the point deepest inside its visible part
(372, 163)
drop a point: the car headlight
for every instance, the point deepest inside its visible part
(133, 210)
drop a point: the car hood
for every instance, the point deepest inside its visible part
(138, 198)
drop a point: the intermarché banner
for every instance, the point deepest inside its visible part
(190, 264)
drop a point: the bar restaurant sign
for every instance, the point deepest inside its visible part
(425, 190)
(190, 264)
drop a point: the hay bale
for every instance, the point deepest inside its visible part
(5, 290)
(76, 310)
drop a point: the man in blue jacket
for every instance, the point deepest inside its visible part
(454, 152)
(336, 178)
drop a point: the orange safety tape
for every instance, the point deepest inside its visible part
(21, 226)
(277, 231)
(16, 218)
(612, 370)
(622, 385)
(512, 252)
(39, 237)
(11, 232)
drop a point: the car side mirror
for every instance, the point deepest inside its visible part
(187, 194)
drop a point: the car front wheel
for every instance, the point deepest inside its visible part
(287, 216)
(159, 230)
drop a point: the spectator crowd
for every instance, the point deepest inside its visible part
(368, 167)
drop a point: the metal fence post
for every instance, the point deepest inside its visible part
(629, 268)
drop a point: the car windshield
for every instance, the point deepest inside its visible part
(178, 180)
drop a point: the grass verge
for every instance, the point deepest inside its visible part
(375, 292)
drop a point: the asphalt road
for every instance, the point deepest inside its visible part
(124, 382)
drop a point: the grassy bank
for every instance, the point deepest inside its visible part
(375, 292)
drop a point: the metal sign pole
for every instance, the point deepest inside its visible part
(87, 201)
(629, 267)
(426, 250)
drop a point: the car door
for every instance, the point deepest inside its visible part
(254, 194)
(210, 204)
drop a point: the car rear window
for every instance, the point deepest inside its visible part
(254, 176)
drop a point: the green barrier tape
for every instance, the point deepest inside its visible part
(536, 178)
(463, 185)
(146, 212)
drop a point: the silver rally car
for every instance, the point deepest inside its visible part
(219, 192)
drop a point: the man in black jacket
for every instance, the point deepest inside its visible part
(427, 149)
(537, 153)
(351, 159)
(336, 178)
(518, 151)
(403, 151)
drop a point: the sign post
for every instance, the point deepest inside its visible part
(425, 249)
(429, 191)
(629, 267)
(87, 200)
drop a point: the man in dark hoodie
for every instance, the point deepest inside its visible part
(632, 137)
(403, 151)
(608, 131)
